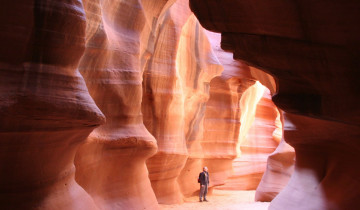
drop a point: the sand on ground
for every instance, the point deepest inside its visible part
(221, 200)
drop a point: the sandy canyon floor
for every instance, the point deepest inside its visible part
(222, 200)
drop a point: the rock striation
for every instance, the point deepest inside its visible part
(117, 104)
(215, 145)
(256, 139)
(175, 89)
(111, 164)
(311, 48)
(279, 168)
(46, 111)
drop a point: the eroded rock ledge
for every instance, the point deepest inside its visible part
(114, 104)
(311, 48)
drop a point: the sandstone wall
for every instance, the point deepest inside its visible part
(169, 94)
(163, 105)
(215, 147)
(279, 168)
(46, 111)
(157, 58)
(311, 48)
(280, 163)
(256, 140)
(176, 80)
(111, 165)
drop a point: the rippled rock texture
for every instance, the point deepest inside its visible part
(312, 49)
(111, 164)
(136, 95)
(46, 111)
(216, 145)
(176, 85)
(279, 168)
(260, 122)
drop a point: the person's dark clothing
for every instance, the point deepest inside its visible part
(204, 183)
(204, 178)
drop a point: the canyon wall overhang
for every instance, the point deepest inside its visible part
(312, 49)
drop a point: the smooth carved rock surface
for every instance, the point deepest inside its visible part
(175, 87)
(279, 168)
(255, 142)
(321, 41)
(311, 48)
(222, 116)
(319, 158)
(111, 164)
(170, 96)
(46, 111)
(280, 163)
(215, 145)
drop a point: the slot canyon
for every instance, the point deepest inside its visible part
(119, 104)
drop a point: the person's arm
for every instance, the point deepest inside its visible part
(201, 177)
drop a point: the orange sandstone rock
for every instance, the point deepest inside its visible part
(163, 105)
(256, 139)
(280, 167)
(111, 164)
(311, 48)
(175, 87)
(216, 148)
(46, 111)
(169, 93)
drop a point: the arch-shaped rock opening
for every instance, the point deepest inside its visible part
(137, 97)
(305, 46)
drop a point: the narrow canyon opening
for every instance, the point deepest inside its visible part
(119, 104)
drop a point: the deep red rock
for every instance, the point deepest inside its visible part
(46, 111)
(111, 164)
(311, 48)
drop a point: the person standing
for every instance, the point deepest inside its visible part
(204, 183)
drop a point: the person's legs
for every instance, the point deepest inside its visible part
(202, 191)
(205, 192)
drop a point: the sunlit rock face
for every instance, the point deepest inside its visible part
(213, 141)
(319, 164)
(279, 168)
(111, 164)
(222, 115)
(260, 142)
(163, 105)
(256, 141)
(311, 48)
(280, 163)
(169, 93)
(176, 80)
(150, 67)
(45, 108)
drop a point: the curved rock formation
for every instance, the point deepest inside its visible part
(222, 116)
(216, 138)
(280, 167)
(111, 164)
(311, 48)
(178, 64)
(46, 111)
(163, 103)
(150, 66)
(321, 161)
(256, 140)
(175, 87)
(280, 163)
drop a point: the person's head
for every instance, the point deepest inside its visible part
(205, 168)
